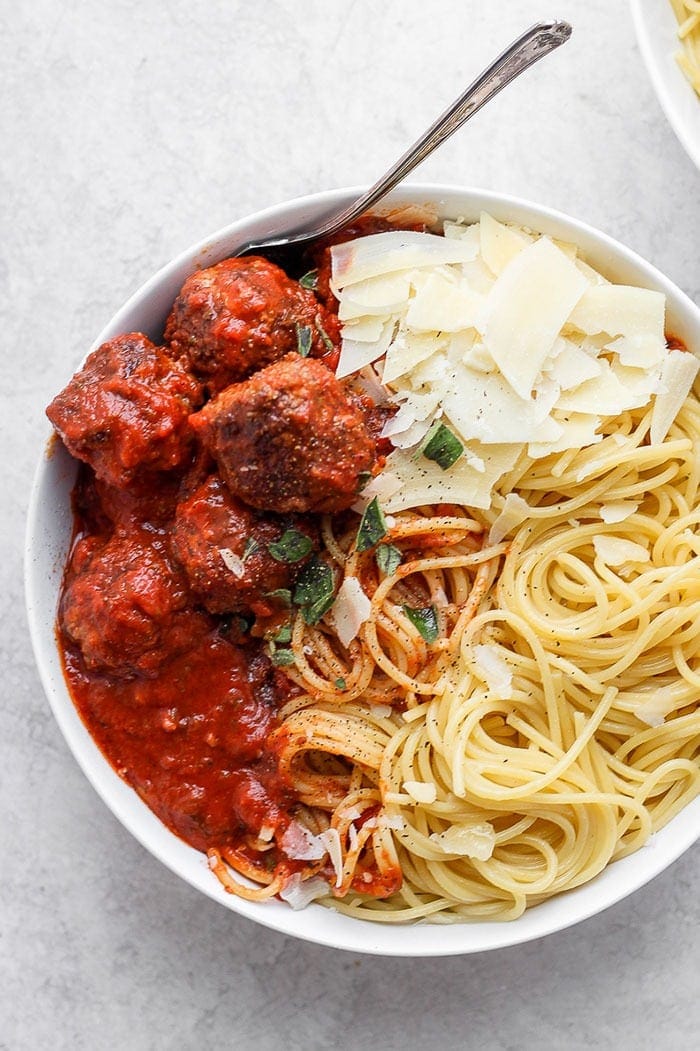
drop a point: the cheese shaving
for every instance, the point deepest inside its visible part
(233, 562)
(518, 346)
(420, 791)
(350, 610)
(615, 551)
(470, 841)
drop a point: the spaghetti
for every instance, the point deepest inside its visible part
(687, 13)
(488, 796)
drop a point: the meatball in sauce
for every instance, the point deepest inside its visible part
(241, 315)
(126, 411)
(289, 439)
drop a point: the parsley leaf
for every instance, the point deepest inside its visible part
(372, 526)
(442, 446)
(309, 280)
(304, 338)
(315, 590)
(424, 618)
(388, 559)
(292, 546)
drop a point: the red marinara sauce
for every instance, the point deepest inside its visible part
(191, 739)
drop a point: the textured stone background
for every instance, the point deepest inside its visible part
(130, 130)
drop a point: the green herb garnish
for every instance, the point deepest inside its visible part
(442, 446)
(282, 658)
(425, 620)
(284, 634)
(281, 595)
(292, 546)
(314, 592)
(304, 339)
(340, 683)
(251, 546)
(388, 559)
(362, 479)
(372, 527)
(323, 334)
(309, 280)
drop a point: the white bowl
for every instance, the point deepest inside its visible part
(48, 534)
(657, 34)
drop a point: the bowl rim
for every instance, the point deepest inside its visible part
(668, 81)
(317, 924)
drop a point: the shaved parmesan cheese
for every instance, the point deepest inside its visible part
(617, 511)
(441, 305)
(300, 844)
(392, 821)
(494, 669)
(678, 374)
(620, 310)
(350, 610)
(384, 253)
(518, 346)
(355, 354)
(233, 562)
(420, 791)
(381, 711)
(379, 296)
(499, 243)
(615, 551)
(484, 406)
(469, 841)
(515, 511)
(578, 430)
(571, 366)
(641, 351)
(299, 893)
(526, 309)
(331, 841)
(408, 350)
(654, 711)
(383, 486)
(424, 482)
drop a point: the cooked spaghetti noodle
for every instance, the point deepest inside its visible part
(476, 795)
(687, 13)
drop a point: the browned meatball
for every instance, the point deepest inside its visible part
(242, 314)
(126, 604)
(127, 410)
(288, 439)
(235, 558)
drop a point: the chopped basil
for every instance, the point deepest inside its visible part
(442, 446)
(251, 546)
(314, 591)
(292, 546)
(340, 683)
(282, 595)
(425, 620)
(284, 634)
(362, 479)
(282, 657)
(304, 338)
(372, 527)
(388, 559)
(309, 280)
(324, 335)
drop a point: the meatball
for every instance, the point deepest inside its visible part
(127, 410)
(242, 314)
(288, 439)
(126, 605)
(224, 549)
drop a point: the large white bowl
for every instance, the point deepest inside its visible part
(657, 34)
(48, 534)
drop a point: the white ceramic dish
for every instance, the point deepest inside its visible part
(657, 29)
(48, 534)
